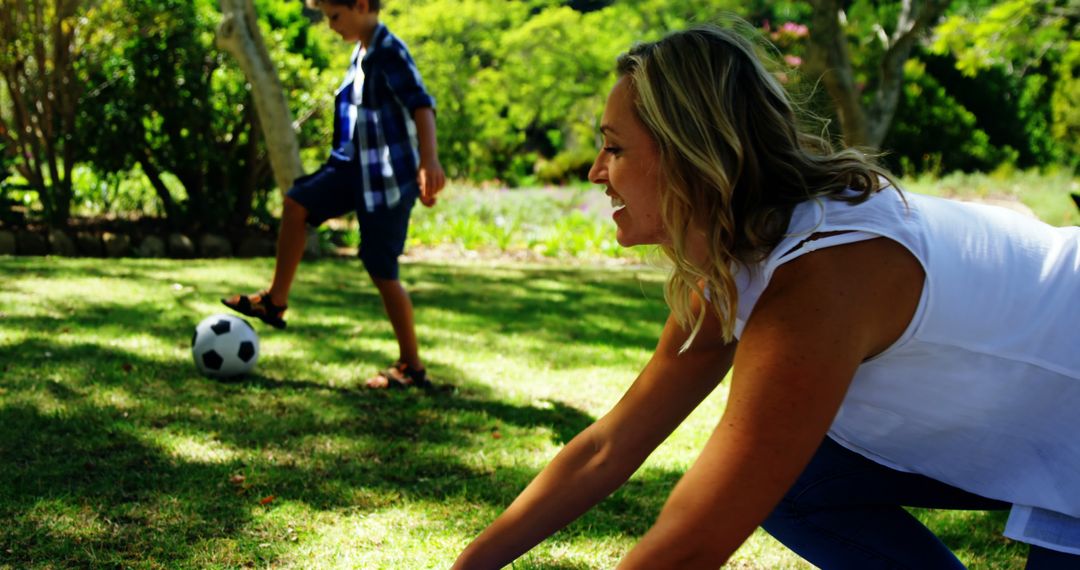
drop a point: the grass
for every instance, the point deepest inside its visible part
(115, 453)
(1046, 194)
(534, 224)
(560, 224)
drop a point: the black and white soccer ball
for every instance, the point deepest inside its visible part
(224, 346)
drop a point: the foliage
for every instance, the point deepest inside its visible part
(164, 121)
(928, 112)
(520, 86)
(170, 102)
(7, 157)
(117, 454)
(457, 45)
(7, 161)
(1011, 33)
(1036, 43)
(1065, 103)
(39, 52)
(1015, 110)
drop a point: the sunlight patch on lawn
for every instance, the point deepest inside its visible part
(116, 398)
(577, 551)
(422, 535)
(145, 345)
(194, 449)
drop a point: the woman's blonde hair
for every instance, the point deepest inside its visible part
(734, 162)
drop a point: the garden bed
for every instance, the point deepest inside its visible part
(147, 237)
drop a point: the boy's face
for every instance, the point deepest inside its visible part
(350, 23)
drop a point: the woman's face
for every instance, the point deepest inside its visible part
(628, 167)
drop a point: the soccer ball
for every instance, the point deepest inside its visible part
(224, 346)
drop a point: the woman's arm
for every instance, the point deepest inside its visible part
(603, 456)
(821, 316)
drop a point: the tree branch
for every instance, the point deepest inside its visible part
(827, 57)
(915, 18)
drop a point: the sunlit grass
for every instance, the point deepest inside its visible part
(1046, 194)
(561, 224)
(537, 224)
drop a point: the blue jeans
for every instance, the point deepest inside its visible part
(846, 511)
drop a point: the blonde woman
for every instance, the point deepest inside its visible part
(889, 349)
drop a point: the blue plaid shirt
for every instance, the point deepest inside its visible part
(373, 120)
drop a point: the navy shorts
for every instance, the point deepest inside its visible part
(331, 192)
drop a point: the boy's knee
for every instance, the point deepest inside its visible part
(294, 210)
(380, 267)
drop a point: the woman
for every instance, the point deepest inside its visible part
(888, 349)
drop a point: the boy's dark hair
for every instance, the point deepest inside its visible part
(373, 5)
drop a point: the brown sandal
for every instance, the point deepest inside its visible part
(258, 306)
(400, 376)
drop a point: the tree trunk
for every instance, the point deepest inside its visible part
(827, 57)
(246, 193)
(865, 125)
(173, 214)
(238, 33)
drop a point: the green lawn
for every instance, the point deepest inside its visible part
(115, 453)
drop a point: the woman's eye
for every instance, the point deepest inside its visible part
(612, 150)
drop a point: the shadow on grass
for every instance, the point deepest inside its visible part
(83, 488)
(87, 483)
(579, 311)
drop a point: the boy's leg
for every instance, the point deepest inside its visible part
(846, 511)
(313, 199)
(382, 241)
(290, 250)
(399, 309)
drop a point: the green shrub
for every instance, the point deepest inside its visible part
(566, 166)
(933, 132)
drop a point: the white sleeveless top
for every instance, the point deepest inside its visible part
(982, 391)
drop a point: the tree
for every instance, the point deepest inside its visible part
(865, 114)
(38, 54)
(162, 97)
(239, 35)
(164, 100)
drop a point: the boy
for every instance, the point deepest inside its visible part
(383, 157)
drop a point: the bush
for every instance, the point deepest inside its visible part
(567, 166)
(933, 132)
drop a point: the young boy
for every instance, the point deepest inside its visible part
(383, 158)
